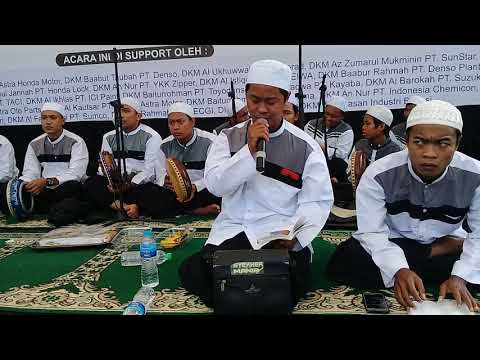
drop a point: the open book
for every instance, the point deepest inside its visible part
(285, 231)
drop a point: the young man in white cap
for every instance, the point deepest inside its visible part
(295, 183)
(189, 145)
(8, 170)
(290, 110)
(339, 136)
(55, 162)
(242, 115)
(409, 206)
(398, 132)
(375, 128)
(141, 143)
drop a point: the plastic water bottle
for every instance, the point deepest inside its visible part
(133, 258)
(140, 302)
(148, 251)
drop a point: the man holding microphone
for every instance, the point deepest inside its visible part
(294, 183)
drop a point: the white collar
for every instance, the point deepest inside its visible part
(279, 131)
(191, 141)
(416, 177)
(133, 132)
(57, 140)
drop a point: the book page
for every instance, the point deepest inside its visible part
(444, 307)
(283, 231)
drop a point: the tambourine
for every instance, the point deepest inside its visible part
(110, 170)
(20, 202)
(358, 165)
(180, 180)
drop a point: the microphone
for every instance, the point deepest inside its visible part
(261, 153)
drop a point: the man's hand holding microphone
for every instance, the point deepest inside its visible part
(258, 134)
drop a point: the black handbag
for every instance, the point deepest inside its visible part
(248, 282)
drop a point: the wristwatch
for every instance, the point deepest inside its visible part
(51, 182)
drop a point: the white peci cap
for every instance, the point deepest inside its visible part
(270, 72)
(436, 112)
(339, 102)
(381, 113)
(133, 103)
(53, 106)
(293, 99)
(181, 107)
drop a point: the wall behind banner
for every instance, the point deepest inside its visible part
(93, 131)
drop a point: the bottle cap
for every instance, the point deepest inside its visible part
(137, 306)
(147, 232)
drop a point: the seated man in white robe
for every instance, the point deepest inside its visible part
(295, 183)
(8, 170)
(55, 166)
(411, 205)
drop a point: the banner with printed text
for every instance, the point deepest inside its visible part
(83, 77)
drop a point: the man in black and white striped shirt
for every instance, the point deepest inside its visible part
(339, 136)
(55, 162)
(410, 204)
(189, 145)
(142, 144)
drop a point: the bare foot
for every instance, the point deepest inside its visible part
(132, 211)
(447, 245)
(212, 209)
